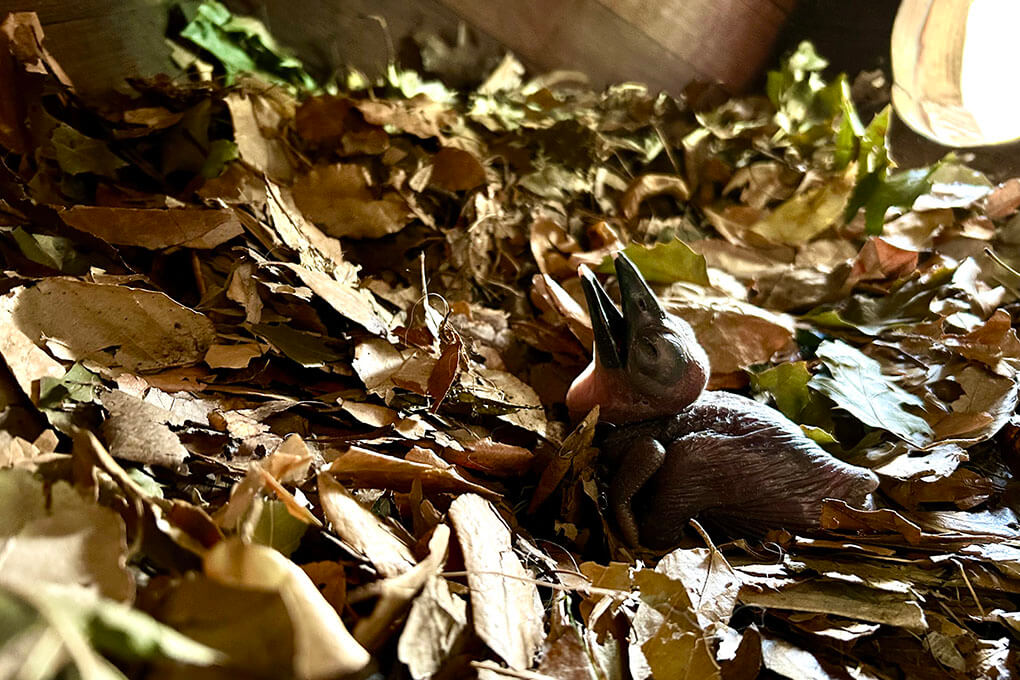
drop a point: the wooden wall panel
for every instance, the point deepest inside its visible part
(664, 43)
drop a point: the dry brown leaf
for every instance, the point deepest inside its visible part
(331, 581)
(257, 133)
(838, 515)
(456, 170)
(879, 260)
(419, 115)
(491, 457)
(435, 625)
(397, 592)
(137, 431)
(735, 334)
(341, 199)
(333, 120)
(346, 297)
(365, 469)
(363, 531)
(842, 599)
(323, 648)
(144, 330)
(155, 229)
(549, 295)
(59, 536)
(505, 607)
(232, 356)
(665, 632)
(963, 488)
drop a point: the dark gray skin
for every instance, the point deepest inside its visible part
(679, 452)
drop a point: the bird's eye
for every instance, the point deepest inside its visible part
(648, 350)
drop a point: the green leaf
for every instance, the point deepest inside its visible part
(879, 191)
(77, 153)
(802, 217)
(858, 386)
(818, 435)
(899, 191)
(242, 44)
(221, 153)
(85, 622)
(664, 263)
(55, 252)
(279, 529)
(131, 634)
(788, 385)
(873, 154)
(78, 385)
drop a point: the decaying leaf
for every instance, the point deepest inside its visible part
(506, 609)
(112, 325)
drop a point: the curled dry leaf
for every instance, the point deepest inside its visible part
(323, 648)
(362, 530)
(156, 229)
(435, 624)
(397, 592)
(365, 469)
(58, 536)
(112, 325)
(652, 184)
(505, 607)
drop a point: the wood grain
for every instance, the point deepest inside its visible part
(665, 43)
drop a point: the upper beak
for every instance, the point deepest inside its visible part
(640, 306)
(613, 329)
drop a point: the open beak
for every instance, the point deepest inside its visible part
(613, 329)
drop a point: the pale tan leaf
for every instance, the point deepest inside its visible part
(323, 647)
(362, 530)
(434, 625)
(843, 599)
(66, 540)
(346, 297)
(505, 607)
(258, 137)
(397, 592)
(143, 330)
(666, 631)
(27, 362)
(232, 356)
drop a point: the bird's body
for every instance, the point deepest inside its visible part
(680, 452)
(735, 464)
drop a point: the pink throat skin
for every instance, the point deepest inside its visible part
(619, 403)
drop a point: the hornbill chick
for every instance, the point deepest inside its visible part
(678, 451)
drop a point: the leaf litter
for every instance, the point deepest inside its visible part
(285, 362)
